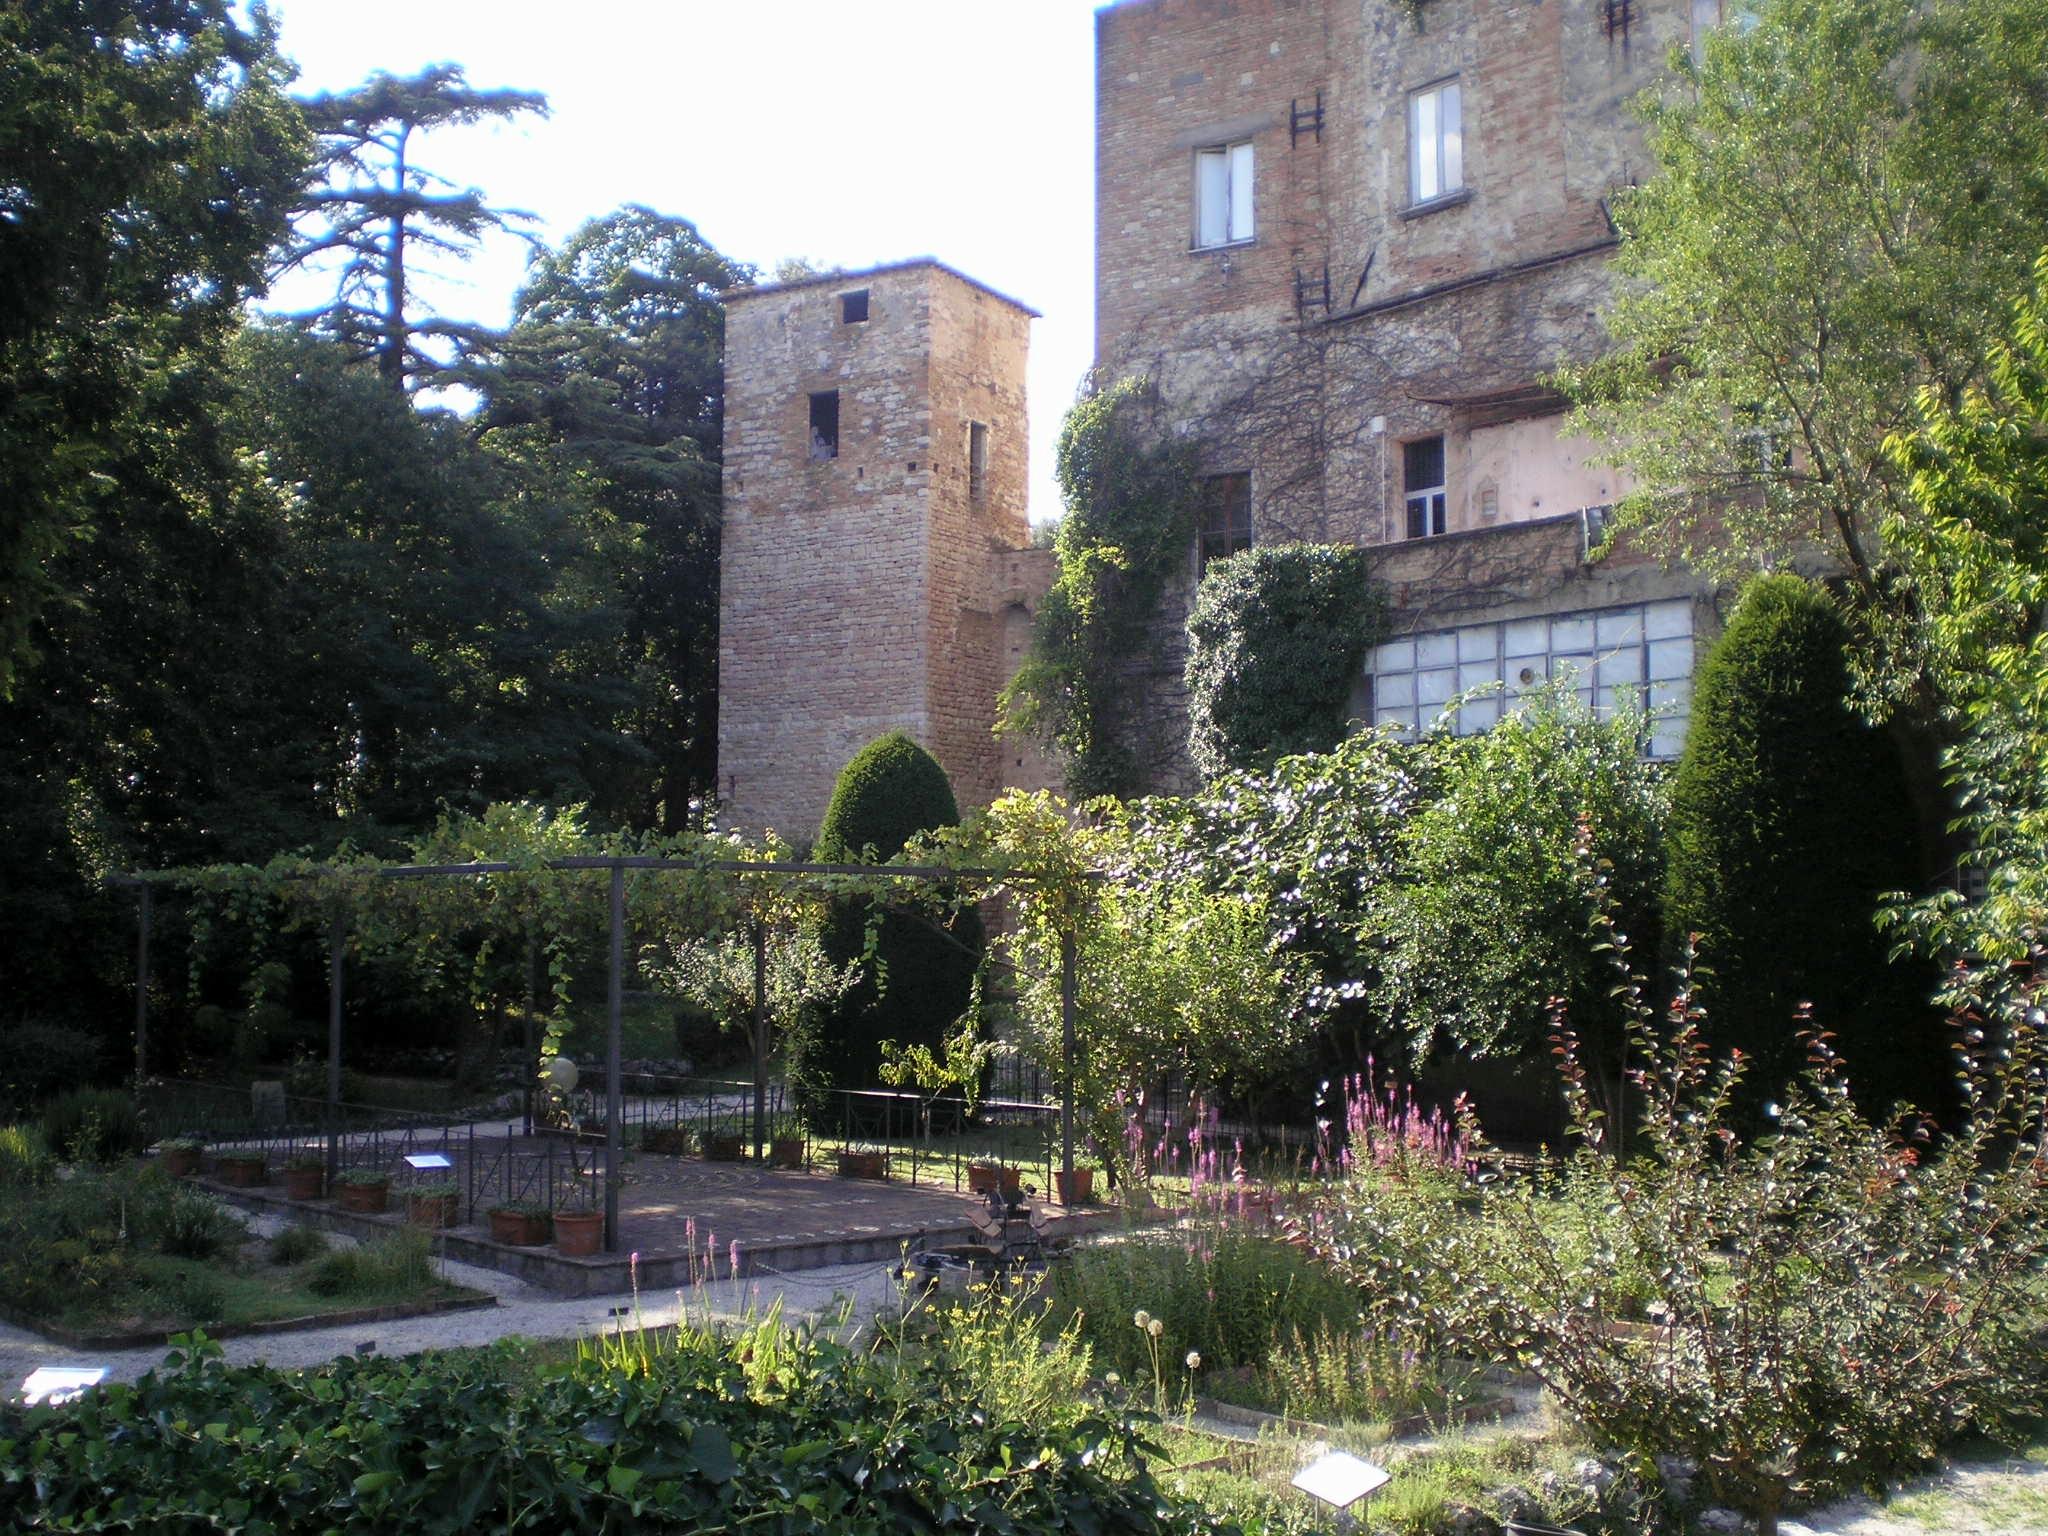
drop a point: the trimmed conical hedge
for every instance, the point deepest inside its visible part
(1789, 819)
(891, 790)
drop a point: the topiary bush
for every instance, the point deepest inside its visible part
(1275, 640)
(921, 976)
(1790, 817)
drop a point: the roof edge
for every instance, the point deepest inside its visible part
(841, 279)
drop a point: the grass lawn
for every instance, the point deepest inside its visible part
(246, 1285)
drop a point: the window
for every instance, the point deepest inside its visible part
(825, 425)
(1226, 518)
(1607, 657)
(1223, 195)
(853, 307)
(1762, 442)
(977, 460)
(1436, 143)
(1422, 480)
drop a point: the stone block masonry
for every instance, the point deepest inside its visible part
(874, 481)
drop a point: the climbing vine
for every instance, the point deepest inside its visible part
(1131, 499)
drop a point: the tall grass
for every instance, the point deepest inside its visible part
(392, 1267)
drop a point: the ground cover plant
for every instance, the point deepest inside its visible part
(123, 1249)
(767, 1428)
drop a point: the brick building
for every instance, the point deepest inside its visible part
(1347, 240)
(874, 574)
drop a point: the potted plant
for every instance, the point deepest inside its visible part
(1077, 1188)
(305, 1174)
(520, 1224)
(180, 1156)
(983, 1177)
(578, 1230)
(863, 1165)
(363, 1189)
(724, 1146)
(671, 1140)
(786, 1147)
(432, 1205)
(243, 1170)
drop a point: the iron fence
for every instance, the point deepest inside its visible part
(937, 1140)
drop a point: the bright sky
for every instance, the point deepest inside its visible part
(850, 132)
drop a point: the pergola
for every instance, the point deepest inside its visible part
(616, 867)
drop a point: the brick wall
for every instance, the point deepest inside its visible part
(856, 592)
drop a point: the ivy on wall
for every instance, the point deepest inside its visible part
(1131, 500)
(1275, 640)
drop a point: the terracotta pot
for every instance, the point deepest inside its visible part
(367, 1198)
(578, 1233)
(304, 1183)
(1075, 1189)
(672, 1140)
(431, 1210)
(241, 1172)
(787, 1152)
(983, 1177)
(864, 1165)
(519, 1229)
(724, 1149)
(180, 1162)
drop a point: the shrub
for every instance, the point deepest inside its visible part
(1838, 1300)
(921, 977)
(1275, 641)
(1789, 820)
(24, 1155)
(194, 1295)
(295, 1245)
(94, 1124)
(1485, 921)
(366, 1177)
(395, 1266)
(43, 1059)
(186, 1223)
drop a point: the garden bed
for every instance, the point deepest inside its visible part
(463, 1300)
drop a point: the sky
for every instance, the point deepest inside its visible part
(849, 132)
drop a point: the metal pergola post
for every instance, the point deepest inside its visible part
(142, 922)
(1067, 989)
(613, 1094)
(760, 1039)
(337, 948)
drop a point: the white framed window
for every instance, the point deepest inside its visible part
(1605, 657)
(1422, 485)
(1436, 142)
(1223, 195)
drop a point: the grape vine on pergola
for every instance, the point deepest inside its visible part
(842, 877)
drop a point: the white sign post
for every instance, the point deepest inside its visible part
(1341, 1480)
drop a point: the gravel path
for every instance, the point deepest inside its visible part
(522, 1309)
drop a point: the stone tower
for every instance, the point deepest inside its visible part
(875, 455)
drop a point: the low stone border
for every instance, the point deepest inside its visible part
(604, 1274)
(1415, 1424)
(349, 1319)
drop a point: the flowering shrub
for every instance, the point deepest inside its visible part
(1832, 1300)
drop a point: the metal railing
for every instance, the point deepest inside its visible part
(933, 1140)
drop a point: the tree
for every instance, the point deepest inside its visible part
(917, 979)
(1482, 924)
(1845, 198)
(151, 154)
(1789, 822)
(614, 369)
(373, 208)
(1275, 638)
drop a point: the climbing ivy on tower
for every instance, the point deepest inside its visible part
(1275, 641)
(1131, 503)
